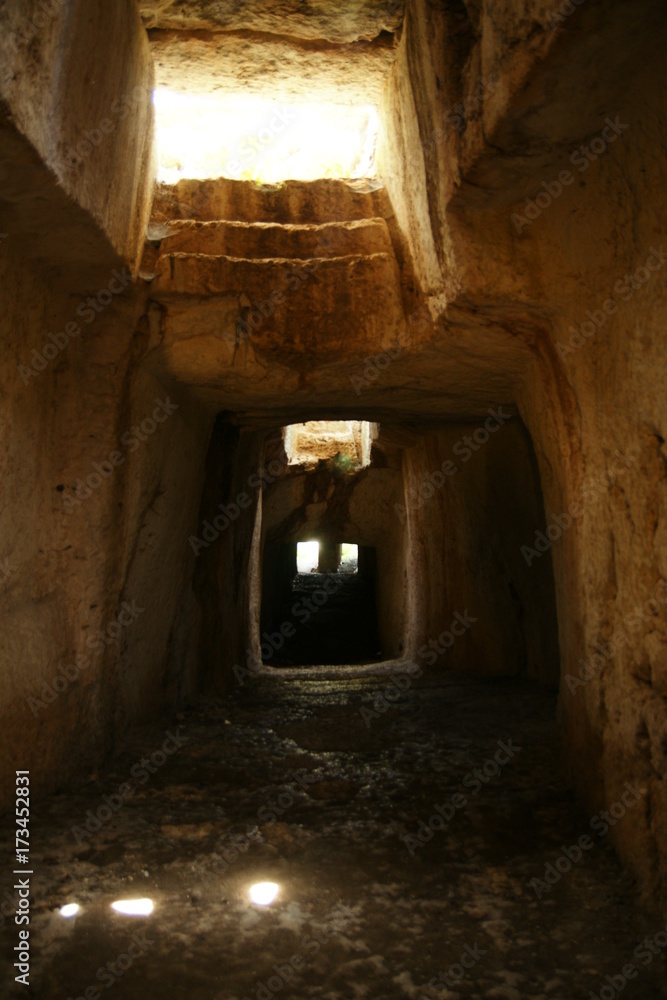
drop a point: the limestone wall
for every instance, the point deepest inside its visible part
(525, 213)
(471, 491)
(77, 79)
(98, 458)
(225, 547)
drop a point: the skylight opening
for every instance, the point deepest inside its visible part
(345, 443)
(201, 136)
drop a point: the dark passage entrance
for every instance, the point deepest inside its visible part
(332, 616)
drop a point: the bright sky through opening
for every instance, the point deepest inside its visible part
(307, 556)
(134, 907)
(242, 137)
(349, 562)
(263, 893)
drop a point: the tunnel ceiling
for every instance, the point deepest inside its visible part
(287, 51)
(343, 21)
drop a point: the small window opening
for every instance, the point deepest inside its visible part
(307, 557)
(313, 558)
(349, 560)
(325, 592)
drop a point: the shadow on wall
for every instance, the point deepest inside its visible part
(472, 500)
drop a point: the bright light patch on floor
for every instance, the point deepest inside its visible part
(201, 136)
(69, 910)
(263, 893)
(307, 556)
(134, 907)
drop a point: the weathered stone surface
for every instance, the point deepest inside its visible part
(93, 130)
(515, 208)
(74, 678)
(263, 240)
(500, 617)
(277, 69)
(294, 202)
(427, 371)
(293, 311)
(347, 21)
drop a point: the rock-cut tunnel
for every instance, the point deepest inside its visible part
(334, 570)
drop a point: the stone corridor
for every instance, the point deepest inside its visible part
(382, 276)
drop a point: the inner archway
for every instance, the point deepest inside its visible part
(319, 604)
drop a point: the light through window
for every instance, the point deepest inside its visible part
(349, 558)
(134, 907)
(307, 556)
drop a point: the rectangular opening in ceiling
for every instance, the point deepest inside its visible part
(246, 137)
(345, 443)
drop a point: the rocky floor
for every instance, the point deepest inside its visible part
(291, 782)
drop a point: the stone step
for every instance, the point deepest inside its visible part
(266, 240)
(196, 274)
(298, 202)
(295, 306)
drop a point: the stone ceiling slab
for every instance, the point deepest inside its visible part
(275, 68)
(343, 21)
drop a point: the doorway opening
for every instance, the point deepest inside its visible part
(320, 598)
(313, 557)
(307, 556)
